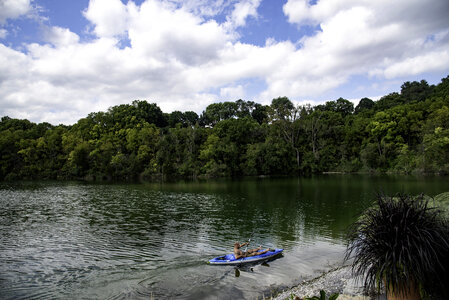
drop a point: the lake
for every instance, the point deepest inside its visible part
(63, 240)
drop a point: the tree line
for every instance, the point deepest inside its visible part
(406, 132)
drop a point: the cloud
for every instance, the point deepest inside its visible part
(204, 8)
(60, 37)
(13, 65)
(298, 11)
(162, 32)
(433, 61)
(376, 38)
(243, 10)
(232, 93)
(175, 53)
(108, 16)
(11, 9)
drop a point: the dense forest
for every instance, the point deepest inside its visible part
(406, 132)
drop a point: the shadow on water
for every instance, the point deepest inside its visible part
(249, 267)
(135, 241)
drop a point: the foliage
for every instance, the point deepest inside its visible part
(406, 132)
(442, 201)
(323, 296)
(401, 241)
(364, 104)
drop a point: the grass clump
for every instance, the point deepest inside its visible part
(401, 243)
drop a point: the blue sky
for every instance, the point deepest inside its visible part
(62, 59)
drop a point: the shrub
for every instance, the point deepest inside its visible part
(402, 242)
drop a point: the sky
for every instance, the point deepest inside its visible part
(63, 59)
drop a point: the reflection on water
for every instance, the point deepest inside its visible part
(120, 241)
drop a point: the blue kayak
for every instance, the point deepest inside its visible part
(229, 259)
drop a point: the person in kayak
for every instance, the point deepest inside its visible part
(250, 252)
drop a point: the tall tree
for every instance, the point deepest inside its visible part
(364, 104)
(284, 115)
(415, 91)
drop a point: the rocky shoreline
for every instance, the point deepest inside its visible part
(339, 280)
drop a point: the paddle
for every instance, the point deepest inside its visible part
(249, 241)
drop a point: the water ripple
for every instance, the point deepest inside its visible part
(134, 241)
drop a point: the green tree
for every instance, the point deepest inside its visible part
(415, 91)
(364, 104)
(191, 118)
(79, 159)
(260, 113)
(388, 101)
(150, 112)
(404, 132)
(176, 117)
(342, 106)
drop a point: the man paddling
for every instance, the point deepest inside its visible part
(250, 252)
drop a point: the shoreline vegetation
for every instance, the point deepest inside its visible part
(404, 132)
(341, 279)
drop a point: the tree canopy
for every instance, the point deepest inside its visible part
(405, 132)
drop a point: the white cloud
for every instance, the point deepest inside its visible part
(67, 75)
(232, 93)
(205, 8)
(243, 10)
(433, 61)
(13, 65)
(173, 53)
(61, 36)
(108, 16)
(159, 31)
(11, 9)
(297, 11)
(382, 38)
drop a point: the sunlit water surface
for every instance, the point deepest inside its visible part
(137, 241)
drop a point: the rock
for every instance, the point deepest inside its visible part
(338, 280)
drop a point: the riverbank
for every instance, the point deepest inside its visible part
(339, 280)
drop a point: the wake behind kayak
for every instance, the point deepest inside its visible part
(229, 259)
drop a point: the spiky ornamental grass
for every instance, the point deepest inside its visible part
(403, 243)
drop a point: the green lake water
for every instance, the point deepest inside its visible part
(61, 240)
